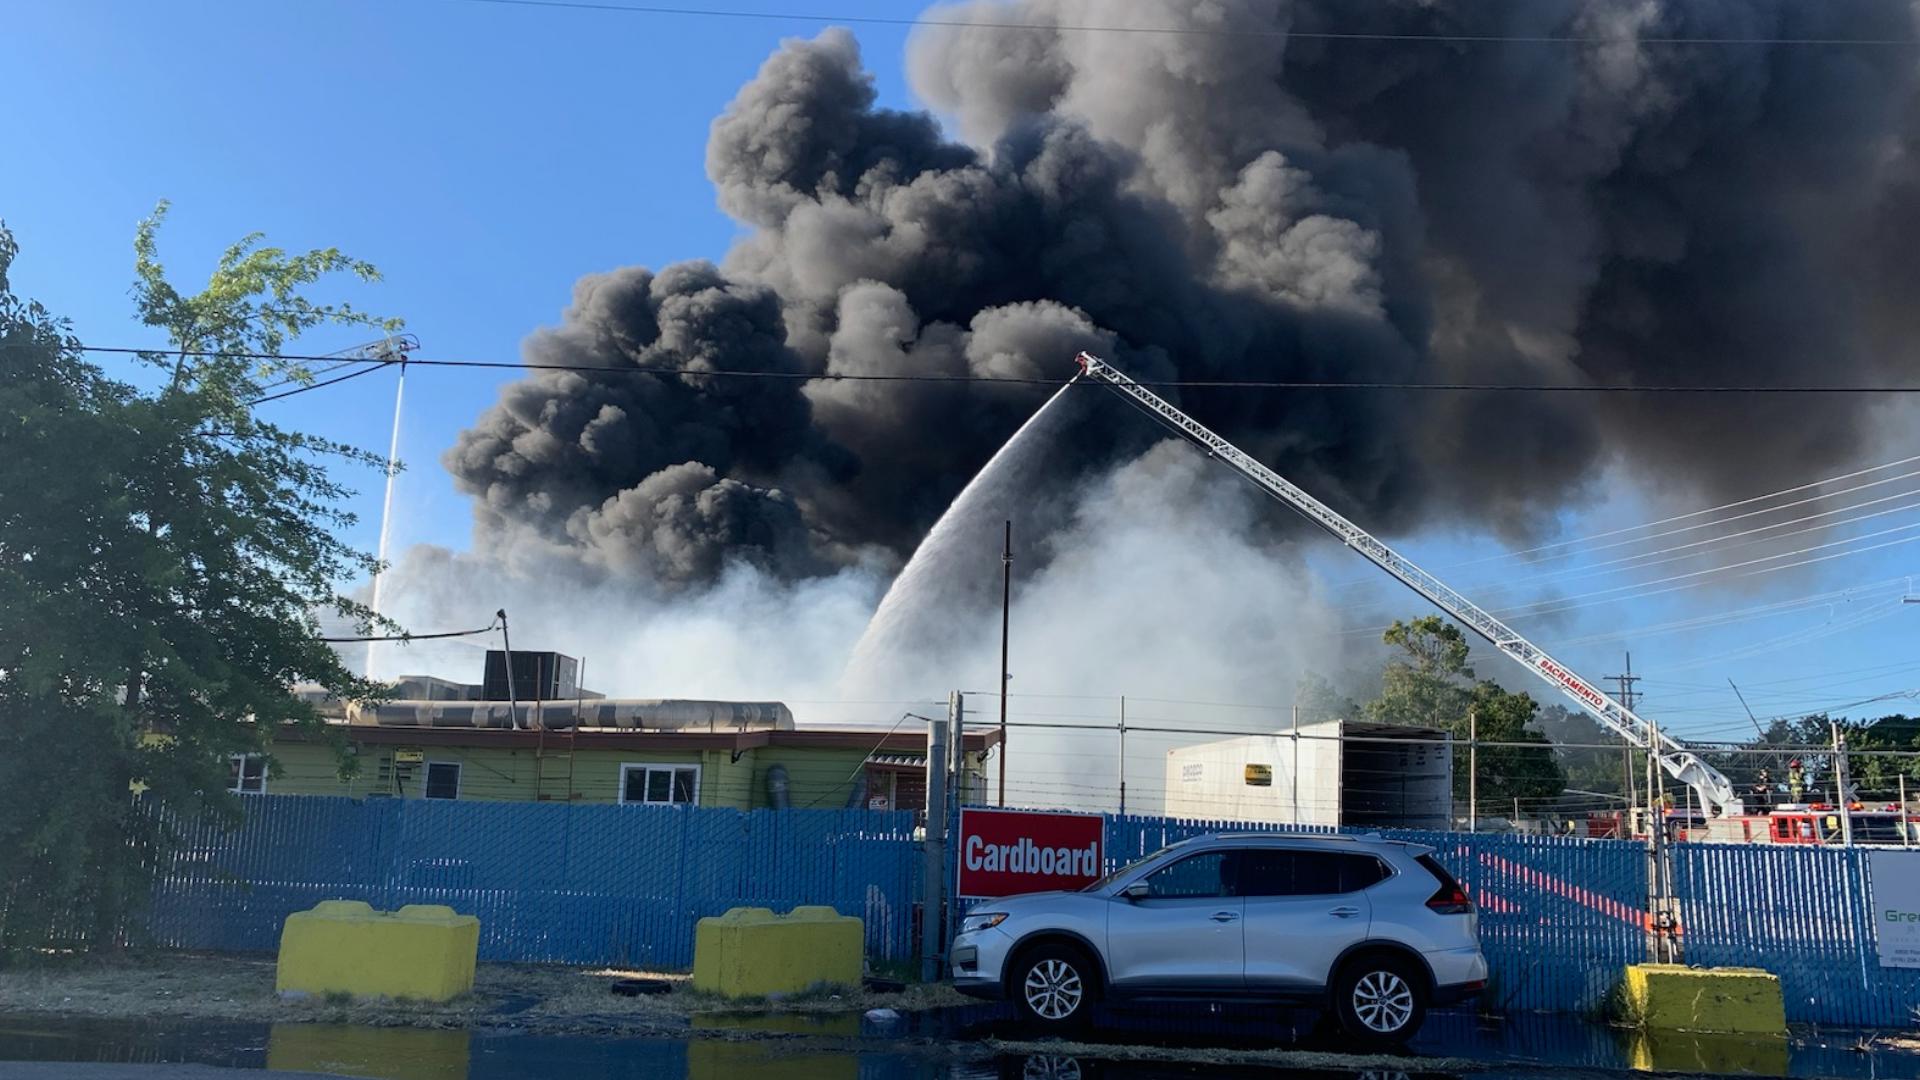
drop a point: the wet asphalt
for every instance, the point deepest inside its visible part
(981, 1043)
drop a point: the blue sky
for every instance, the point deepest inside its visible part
(484, 157)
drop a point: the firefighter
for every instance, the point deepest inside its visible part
(1763, 790)
(1796, 781)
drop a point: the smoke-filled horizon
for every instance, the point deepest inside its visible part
(1237, 203)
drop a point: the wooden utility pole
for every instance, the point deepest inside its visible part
(1627, 695)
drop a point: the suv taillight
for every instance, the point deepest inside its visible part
(1451, 899)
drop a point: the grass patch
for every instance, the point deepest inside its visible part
(337, 998)
(1616, 1008)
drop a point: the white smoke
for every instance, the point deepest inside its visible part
(1160, 586)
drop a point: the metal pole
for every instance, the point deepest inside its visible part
(957, 794)
(1845, 800)
(1123, 755)
(1295, 735)
(1473, 769)
(933, 848)
(506, 647)
(1906, 828)
(579, 720)
(957, 786)
(1662, 873)
(1006, 602)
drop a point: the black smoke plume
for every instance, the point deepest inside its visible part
(1682, 195)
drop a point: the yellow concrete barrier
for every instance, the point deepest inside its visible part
(422, 951)
(751, 952)
(1674, 997)
(385, 1053)
(1706, 1052)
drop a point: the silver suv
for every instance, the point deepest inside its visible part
(1376, 930)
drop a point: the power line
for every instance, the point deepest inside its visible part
(1557, 605)
(1857, 473)
(1195, 384)
(1181, 31)
(1574, 603)
(1651, 558)
(1701, 525)
(1758, 611)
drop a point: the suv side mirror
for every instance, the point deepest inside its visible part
(1139, 890)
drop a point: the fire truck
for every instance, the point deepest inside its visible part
(1810, 824)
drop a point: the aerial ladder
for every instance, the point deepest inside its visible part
(1715, 790)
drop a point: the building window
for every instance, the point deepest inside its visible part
(660, 785)
(247, 774)
(443, 780)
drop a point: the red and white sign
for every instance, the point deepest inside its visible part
(1009, 852)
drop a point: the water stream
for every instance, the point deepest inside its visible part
(955, 572)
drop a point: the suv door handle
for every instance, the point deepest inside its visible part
(1345, 912)
(1225, 916)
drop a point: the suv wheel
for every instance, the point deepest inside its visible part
(1379, 998)
(1055, 986)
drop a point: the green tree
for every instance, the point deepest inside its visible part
(1575, 735)
(1431, 684)
(163, 555)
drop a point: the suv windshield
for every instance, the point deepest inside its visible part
(1135, 865)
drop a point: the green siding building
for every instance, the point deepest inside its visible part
(823, 769)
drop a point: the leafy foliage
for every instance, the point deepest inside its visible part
(163, 555)
(1429, 682)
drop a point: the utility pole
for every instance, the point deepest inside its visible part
(1006, 601)
(1628, 697)
(506, 647)
(1123, 755)
(933, 870)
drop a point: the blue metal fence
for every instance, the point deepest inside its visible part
(624, 884)
(1802, 913)
(550, 883)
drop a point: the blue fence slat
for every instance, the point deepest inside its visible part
(550, 883)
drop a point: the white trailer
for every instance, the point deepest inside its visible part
(1334, 773)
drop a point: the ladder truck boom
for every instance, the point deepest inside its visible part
(1714, 788)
